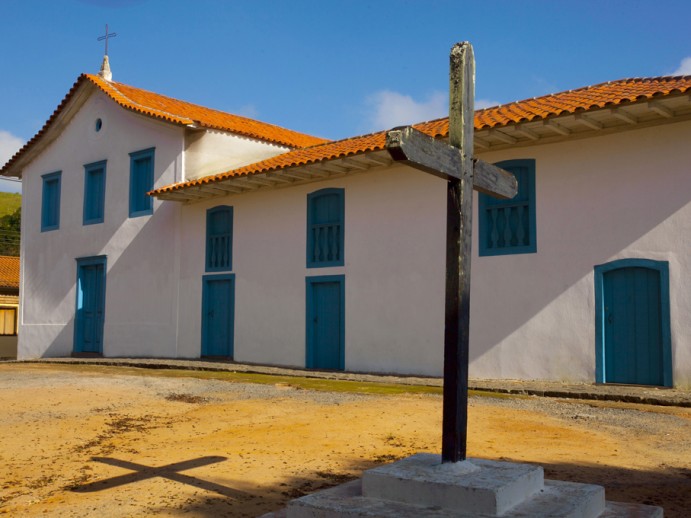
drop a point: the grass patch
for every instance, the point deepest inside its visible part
(297, 382)
(9, 202)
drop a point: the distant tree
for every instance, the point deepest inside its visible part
(10, 226)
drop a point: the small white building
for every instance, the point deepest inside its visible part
(153, 227)
(9, 305)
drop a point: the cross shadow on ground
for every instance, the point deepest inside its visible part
(169, 471)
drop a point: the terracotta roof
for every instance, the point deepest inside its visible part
(608, 94)
(584, 99)
(9, 272)
(181, 112)
(176, 112)
(310, 155)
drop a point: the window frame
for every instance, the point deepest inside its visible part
(90, 201)
(483, 205)
(207, 257)
(311, 199)
(13, 309)
(135, 210)
(47, 212)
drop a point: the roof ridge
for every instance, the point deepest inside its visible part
(241, 118)
(45, 125)
(113, 83)
(588, 87)
(601, 95)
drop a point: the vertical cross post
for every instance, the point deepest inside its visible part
(459, 209)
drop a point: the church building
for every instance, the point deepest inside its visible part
(153, 227)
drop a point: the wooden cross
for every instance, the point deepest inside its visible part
(105, 37)
(454, 162)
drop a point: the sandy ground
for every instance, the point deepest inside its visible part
(82, 441)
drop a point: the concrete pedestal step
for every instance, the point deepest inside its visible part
(476, 485)
(421, 486)
(346, 500)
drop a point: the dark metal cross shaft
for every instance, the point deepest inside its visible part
(454, 162)
(105, 37)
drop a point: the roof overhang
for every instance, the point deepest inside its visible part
(285, 177)
(156, 107)
(585, 123)
(557, 128)
(81, 91)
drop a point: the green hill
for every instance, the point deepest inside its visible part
(9, 202)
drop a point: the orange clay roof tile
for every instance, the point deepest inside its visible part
(590, 97)
(310, 155)
(9, 271)
(182, 112)
(175, 112)
(572, 101)
(315, 149)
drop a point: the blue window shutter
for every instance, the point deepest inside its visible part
(508, 226)
(94, 192)
(50, 204)
(325, 228)
(219, 239)
(141, 182)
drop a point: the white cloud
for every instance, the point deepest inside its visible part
(684, 68)
(389, 109)
(10, 186)
(485, 103)
(9, 145)
(248, 110)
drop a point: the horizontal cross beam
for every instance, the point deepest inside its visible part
(423, 152)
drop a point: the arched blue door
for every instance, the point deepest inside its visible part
(633, 314)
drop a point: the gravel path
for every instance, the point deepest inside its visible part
(680, 396)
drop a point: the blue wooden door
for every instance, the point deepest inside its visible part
(91, 284)
(218, 298)
(325, 322)
(632, 316)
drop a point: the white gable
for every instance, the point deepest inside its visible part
(210, 152)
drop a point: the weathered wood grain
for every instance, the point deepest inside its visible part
(412, 147)
(493, 180)
(459, 212)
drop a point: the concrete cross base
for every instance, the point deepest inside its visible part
(421, 486)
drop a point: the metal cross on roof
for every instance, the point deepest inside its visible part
(454, 163)
(105, 37)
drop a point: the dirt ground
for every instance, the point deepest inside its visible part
(114, 442)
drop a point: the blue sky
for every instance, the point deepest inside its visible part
(333, 69)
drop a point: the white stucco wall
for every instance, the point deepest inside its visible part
(142, 252)
(626, 195)
(394, 301)
(210, 152)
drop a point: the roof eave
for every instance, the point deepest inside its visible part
(557, 128)
(289, 176)
(51, 130)
(596, 121)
